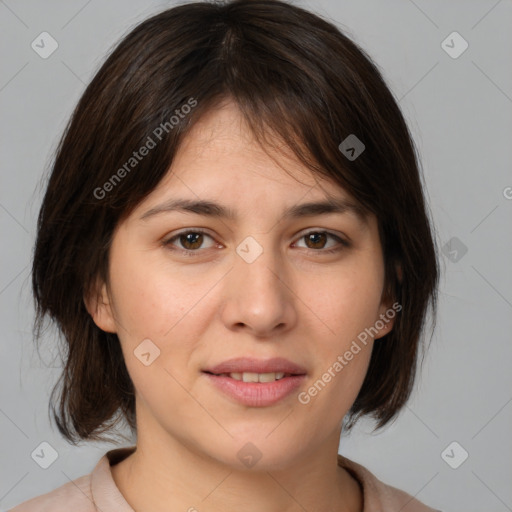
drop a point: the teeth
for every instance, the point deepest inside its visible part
(256, 377)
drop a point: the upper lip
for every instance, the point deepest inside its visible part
(247, 364)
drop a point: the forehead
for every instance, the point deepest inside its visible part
(220, 162)
(221, 139)
(221, 151)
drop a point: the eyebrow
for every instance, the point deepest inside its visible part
(216, 210)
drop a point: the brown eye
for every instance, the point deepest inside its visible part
(318, 240)
(191, 240)
(188, 241)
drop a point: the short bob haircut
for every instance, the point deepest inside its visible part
(294, 76)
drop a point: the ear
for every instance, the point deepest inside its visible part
(388, 310)
(98, 304)
(386, 319)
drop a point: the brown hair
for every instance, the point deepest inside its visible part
(291, 73)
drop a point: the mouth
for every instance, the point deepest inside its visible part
(255, 377)
(248, 369)
(255, 389)
(254, 382)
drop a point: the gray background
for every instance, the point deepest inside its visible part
(459, 110)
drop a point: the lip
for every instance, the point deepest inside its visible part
(256, 394)
(248, 364)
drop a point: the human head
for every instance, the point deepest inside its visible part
(290, 73)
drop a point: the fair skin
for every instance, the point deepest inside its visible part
(294, 301)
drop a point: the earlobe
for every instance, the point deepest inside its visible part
(399, 272)
(389, 309)
(386, 320)
(98, 305)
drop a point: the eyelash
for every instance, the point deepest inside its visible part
(189, 252)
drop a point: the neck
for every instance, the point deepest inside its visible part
(166, 474)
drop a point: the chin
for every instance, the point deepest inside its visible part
(259, 454)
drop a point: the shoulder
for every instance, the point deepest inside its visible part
(75, 495)
(88, 493)
(380, 496)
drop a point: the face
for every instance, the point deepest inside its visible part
(189, 289)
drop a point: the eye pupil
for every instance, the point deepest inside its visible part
(313, 237)
(192, 238)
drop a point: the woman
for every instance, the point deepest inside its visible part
(235, 246)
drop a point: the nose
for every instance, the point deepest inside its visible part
(258, 297)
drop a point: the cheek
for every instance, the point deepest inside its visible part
(154, 302)
(151, 303)
(150, 298)
(347, 301)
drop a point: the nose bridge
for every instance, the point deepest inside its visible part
(257, 295)
(258, 264)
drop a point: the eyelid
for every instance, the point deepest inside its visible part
(340, 236)
(342, 239)
(167, 241)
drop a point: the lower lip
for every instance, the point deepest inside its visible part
(256, 394)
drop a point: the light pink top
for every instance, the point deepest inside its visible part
(98, 491)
